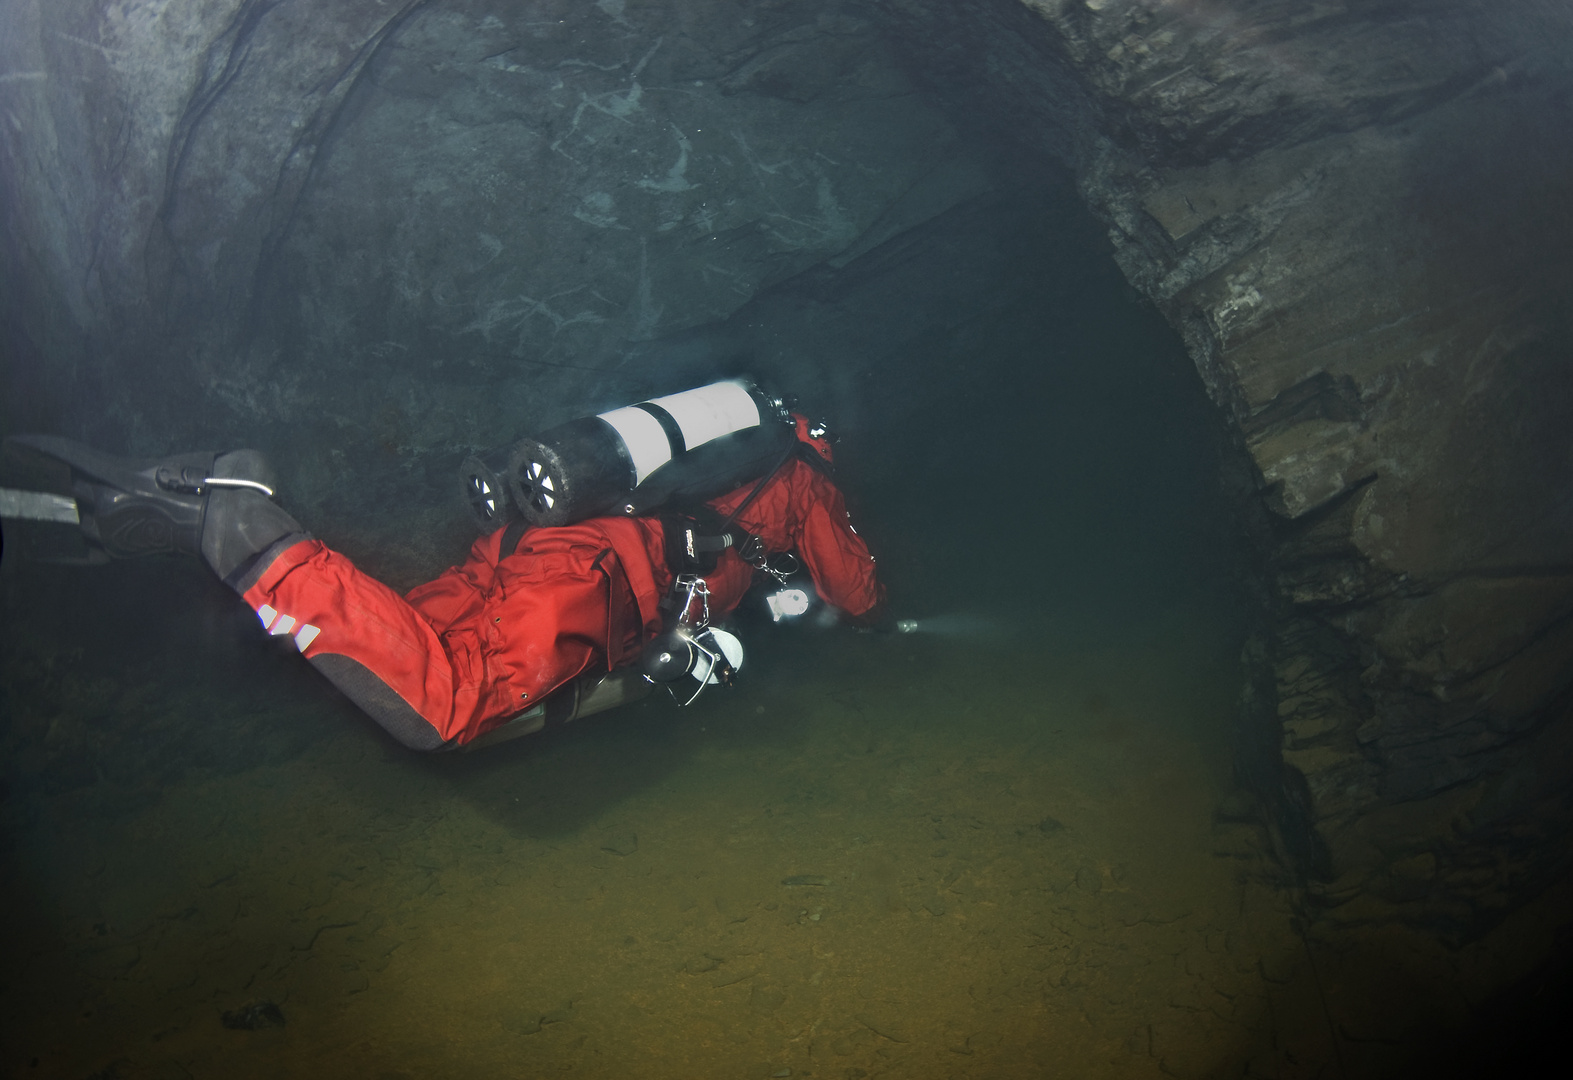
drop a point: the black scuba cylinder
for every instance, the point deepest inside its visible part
(688, 446)
(486, 491)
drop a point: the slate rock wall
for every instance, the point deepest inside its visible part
(1357, 216)
(320, 227)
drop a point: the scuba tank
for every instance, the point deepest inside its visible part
(688, 446)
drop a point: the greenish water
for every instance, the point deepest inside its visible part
(1008, 845)
(994, 853)
(1014, 854)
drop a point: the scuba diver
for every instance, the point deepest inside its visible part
(611, 548)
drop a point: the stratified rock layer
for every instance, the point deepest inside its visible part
(1358, 217)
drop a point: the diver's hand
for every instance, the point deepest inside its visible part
(878, 620)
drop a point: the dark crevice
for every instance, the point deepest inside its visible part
(1323, 396)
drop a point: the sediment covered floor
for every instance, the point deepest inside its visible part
(908, 856)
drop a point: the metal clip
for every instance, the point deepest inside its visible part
(691, 587)
(781, 567)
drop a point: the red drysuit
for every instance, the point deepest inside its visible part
(463, 654)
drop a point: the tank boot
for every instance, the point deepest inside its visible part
(216, 506)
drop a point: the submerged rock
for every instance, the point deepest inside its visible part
(254, 1016)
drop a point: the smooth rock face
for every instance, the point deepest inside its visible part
(541, 189)
(1358, 217)
(426, 196)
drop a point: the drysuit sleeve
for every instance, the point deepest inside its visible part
(834, 554)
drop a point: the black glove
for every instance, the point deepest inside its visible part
(877, 620)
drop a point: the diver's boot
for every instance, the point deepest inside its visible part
(243, 527)
(215, 506)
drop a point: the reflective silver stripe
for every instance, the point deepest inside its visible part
(38, 506)
(225, 481)
(710, 412)
(642, 434)
(280, 625)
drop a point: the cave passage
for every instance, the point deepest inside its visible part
(1008, 844)
(986, 839)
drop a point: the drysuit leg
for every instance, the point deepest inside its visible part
(369, 642)
(216, 506)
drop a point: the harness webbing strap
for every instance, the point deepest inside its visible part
(726, 523)
(511, 537)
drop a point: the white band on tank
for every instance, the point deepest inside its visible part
(710, 412)
(645, 439)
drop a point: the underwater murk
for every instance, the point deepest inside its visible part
(1009, 844)
(914, 856)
